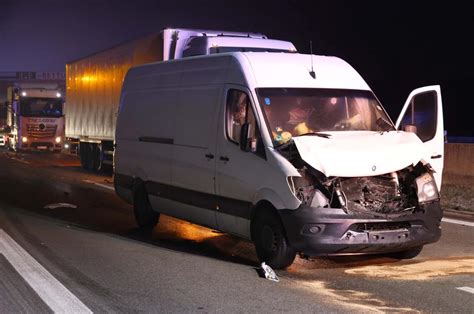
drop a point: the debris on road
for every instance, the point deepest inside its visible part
(59, 205)
(417, 270)
(269, 273)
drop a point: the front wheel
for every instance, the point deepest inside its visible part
(270, 241)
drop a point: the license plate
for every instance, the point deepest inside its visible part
(391, 236)
(42, 147)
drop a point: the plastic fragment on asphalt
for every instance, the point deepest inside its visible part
(59, 205)
(269, 273)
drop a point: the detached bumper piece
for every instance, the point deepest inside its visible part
(330, 231)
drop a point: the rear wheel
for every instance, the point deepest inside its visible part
(84, 154)
(407, 254)
(96, 157)
(270, 241)
(145, 217)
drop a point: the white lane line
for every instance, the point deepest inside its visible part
(466, 289)
(20, 160)
(105, 186)
(458, 222)
(50, 290)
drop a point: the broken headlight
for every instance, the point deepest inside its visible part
(306, 193)
(426, 188)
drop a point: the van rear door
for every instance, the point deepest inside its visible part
(423, 114)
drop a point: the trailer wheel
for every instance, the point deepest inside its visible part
(407, 254)
(270, 241)
(89, 157)
(145, 216)
(96, 161)
(84, 154)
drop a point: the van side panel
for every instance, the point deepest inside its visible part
(194, 148)
(146, 149)
(195, 138)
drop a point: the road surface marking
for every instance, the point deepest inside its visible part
(49, 289)
(59, 205)
(105, 186)
(466, 289)
(20, 160)
(458, 222)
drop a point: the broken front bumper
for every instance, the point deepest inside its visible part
(320, 231)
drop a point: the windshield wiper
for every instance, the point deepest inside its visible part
(384, 125)
(325, 135)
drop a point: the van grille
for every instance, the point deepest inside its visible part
(379, 226)
(41, 130)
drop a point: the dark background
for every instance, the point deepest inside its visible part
(396, 46)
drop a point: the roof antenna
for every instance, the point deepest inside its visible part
(312, 73)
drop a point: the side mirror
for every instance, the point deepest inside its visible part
(244, 137)
(409, 128)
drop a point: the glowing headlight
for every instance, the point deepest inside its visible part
(58, 95)
(24, 139)
(23, 94)
(426, 188)
(58, 139)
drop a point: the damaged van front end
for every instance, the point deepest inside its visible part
(393, 212)
(361, 213)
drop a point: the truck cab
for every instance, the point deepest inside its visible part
(35, 119)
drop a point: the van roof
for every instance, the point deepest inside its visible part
(293, 70)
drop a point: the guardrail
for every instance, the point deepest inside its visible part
(459, 159)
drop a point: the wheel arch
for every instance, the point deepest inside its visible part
(261, 206)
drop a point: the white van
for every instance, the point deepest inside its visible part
(298, 159)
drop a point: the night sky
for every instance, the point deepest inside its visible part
(396, 46)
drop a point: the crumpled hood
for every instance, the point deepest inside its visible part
(360, 153)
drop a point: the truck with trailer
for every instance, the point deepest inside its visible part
(34, 117)
(94, 83)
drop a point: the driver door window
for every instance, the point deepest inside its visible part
(238, 112)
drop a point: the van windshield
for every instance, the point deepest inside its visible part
(293, 112)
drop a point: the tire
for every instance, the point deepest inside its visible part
(84, 154)
(90, 160)
(270, 241)
(145, 217)
(407, 254)
(95, 154)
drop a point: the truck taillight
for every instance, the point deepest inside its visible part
(58, 139)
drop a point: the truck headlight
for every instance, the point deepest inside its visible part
(24, 139)
(426, 188)
(58, 139)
